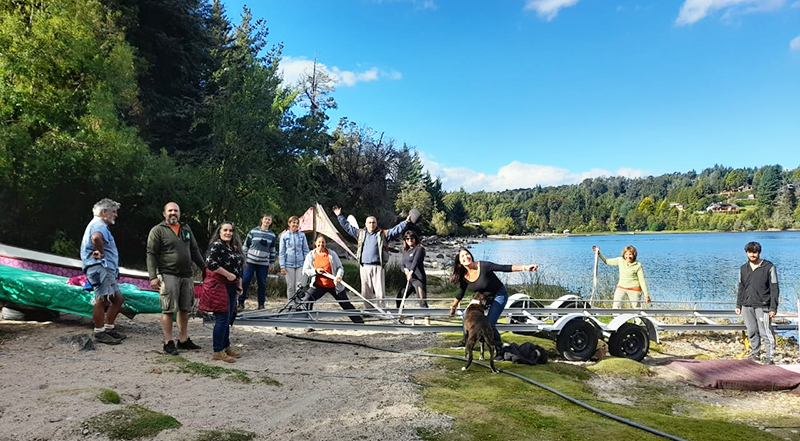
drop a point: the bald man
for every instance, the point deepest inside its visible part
(171, 249)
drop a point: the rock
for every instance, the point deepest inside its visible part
(81, 342)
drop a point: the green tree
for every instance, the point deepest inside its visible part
(66, 76)
(247, 159)
(767, 184)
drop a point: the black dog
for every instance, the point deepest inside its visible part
(477, 328)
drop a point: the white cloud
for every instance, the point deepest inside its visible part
(548, 9)
(693, 11)
(795, 44)
(516, 175)
(293, 69)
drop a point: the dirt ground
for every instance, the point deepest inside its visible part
(326, 392)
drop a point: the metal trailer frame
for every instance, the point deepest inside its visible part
(574, 324)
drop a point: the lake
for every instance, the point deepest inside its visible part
(678, 267)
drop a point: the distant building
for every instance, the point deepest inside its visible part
(677, 206)
(723, 208)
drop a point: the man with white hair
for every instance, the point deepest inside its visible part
(100, 263)
(372, 254)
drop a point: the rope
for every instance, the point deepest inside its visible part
(513, 374)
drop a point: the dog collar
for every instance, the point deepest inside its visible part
(474, 302)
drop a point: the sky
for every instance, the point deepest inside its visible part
(507, 94)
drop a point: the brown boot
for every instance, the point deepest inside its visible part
(222, 356)
(232, 353)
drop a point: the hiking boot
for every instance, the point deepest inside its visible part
(107, 338)
(116, 334)
(188, 344)
(170, 349)
(222, 356)
(260, 306)
(232, 353)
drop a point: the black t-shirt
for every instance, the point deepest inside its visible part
(487, 282)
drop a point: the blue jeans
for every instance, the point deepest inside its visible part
(224, 320)
(496, 310)
(260, 272)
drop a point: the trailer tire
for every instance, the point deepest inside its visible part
(12, 314)
(629, 341)
(577, 341)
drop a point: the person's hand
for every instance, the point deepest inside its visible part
(771, 314)
(408, 276)
(452, 311)
(337, 280)
(230, 276)
(319, 270)
(595, 249)
(337, 211)
(737, 311)
(155, 284)
(97, 254)
(647, 299)
(532, 267)
(283, 271)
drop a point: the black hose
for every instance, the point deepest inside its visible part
(513, 374)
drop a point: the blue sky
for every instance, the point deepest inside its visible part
(516, 93)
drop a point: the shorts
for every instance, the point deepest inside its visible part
(176, 293)
(103, 280)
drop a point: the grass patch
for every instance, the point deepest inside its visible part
(108, 396)
(206, 370)
(131, 422)
(486, 406)
(223, 435)
(620, 367)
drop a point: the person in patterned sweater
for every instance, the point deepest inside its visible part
(259, 249)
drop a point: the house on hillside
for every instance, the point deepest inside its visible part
(723, 208)
(677, 206)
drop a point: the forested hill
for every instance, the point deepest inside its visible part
(150, 101)
(718, 198)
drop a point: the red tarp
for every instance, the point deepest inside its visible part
(736, 374)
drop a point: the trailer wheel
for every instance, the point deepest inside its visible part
(630, 341)
(577, 341)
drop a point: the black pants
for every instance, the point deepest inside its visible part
(316, 292)
(413, 294)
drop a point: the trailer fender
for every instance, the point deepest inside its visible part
(649, 324)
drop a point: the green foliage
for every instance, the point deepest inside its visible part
(440, 224)
(503, 225)
(131, 422)
(108, 396)
(620, 367)
(204, 370)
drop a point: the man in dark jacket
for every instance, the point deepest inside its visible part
(171, 249)
(757, 301)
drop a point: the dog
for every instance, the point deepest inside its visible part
(477, 329)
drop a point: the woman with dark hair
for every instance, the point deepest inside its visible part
(222, 285)
(479, 277)
(413, 258)
(631, 282)
(319, 261)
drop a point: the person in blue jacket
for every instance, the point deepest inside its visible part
(293, 251)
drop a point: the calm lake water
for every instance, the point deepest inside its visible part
(678, 267)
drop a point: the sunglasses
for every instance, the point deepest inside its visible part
(410, 238)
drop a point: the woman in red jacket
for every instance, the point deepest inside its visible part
(222, 285)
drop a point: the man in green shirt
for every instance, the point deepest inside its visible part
(171, 249)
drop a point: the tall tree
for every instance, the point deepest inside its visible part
(66, 76)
